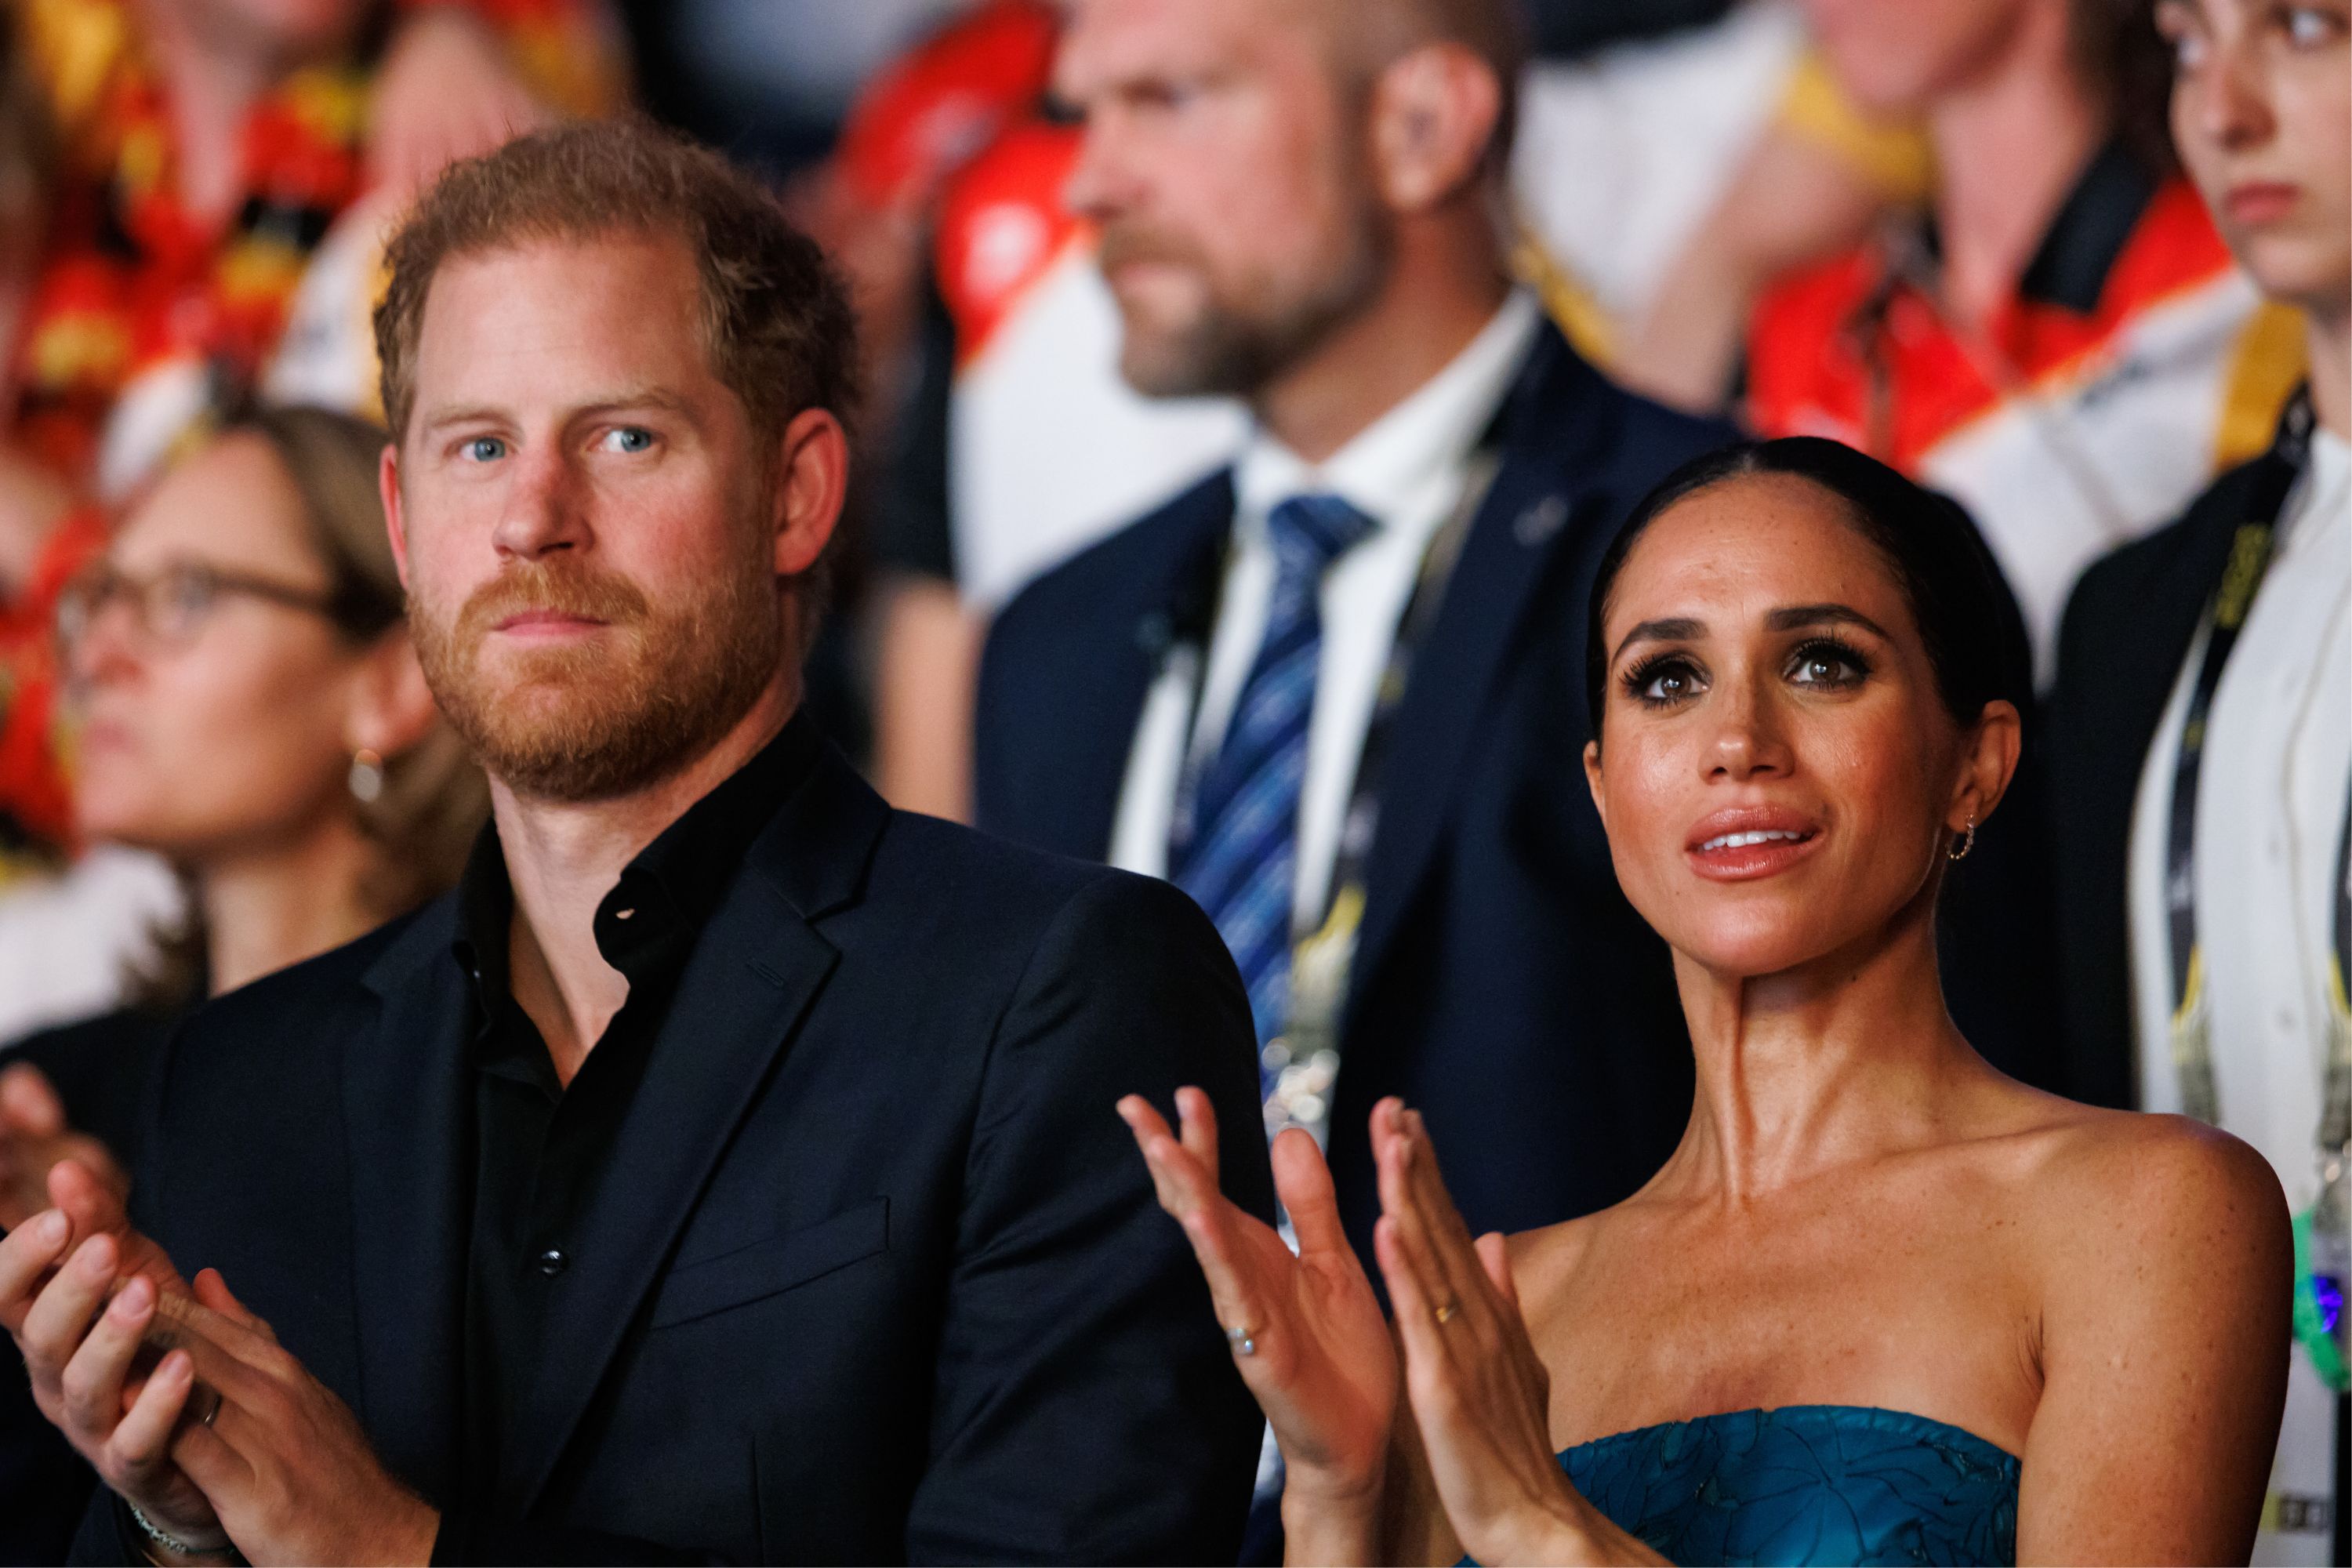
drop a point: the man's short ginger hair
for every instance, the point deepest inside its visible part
(775, 318)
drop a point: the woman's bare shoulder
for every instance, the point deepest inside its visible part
(2133, 1195)
(2084, 1156)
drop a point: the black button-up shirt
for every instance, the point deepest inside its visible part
(542, 1146)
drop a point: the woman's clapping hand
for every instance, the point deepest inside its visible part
(1308, 1335)
(1480, 1395)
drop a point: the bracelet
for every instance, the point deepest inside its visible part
(173, 1543)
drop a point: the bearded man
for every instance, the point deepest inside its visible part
(1336, 691)
(728, 1168)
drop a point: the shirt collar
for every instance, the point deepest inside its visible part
(1421, 440)
(666, 895)
(2316, 510)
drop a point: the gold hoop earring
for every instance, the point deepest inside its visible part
(1968, 843)
(366, 777)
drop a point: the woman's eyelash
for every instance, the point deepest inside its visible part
(1831, 650)
(1637, 680)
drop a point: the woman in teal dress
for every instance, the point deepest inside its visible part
(1882, 1304)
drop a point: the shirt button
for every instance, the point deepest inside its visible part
(553, 1261)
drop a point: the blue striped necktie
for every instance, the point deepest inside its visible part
(1237, 848)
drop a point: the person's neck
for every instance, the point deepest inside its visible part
(2327, 344)
(1440, 290)
(211, 82)
(2010, 147)
(265, 910)
(1851, 1056)
(564, 857)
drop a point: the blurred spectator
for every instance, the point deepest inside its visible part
(1009, 441)
(2204, 684)
(2063, 343)
(1021, 447)
(254, 717)
(1017, 444)
(1664, 185)
(1300, 206)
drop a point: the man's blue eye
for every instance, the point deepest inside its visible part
(484, 448)
(632, 439)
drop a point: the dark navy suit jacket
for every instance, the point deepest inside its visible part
(1502, 982)
(874, 1271)
(2129, 627)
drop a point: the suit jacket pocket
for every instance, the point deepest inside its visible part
(768, 1268)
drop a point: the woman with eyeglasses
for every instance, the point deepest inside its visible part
(248, 709)
(1882, 1304)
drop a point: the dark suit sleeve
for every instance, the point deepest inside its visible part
(108, 1536)
(1087, 1406)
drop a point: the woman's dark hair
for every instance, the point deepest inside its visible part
(2119, 54)
(1974, 636)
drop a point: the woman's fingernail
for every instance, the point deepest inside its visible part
(97, 1258)
(131, 1302)
(50, 1228)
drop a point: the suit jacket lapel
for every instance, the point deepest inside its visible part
(1176, 602)
(1531, 513)
(759, 965)
(408, 1121)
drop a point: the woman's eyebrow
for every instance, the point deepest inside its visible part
(1800, 615)
(1679, 629)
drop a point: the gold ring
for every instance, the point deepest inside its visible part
(1446, 1313)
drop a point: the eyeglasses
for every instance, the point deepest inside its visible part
(170, 608)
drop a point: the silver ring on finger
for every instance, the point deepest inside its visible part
(1243, 1340)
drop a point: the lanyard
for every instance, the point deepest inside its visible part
(2336, 1115)
(2250, 558)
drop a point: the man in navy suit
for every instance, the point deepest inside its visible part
(1336, 692)
(729, 1168)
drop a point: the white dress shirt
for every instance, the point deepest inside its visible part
(1407, 472)
(2269, 808)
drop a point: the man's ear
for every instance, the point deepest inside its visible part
(392, 707)
(1435, 112)
(387, 485)
(811, 482)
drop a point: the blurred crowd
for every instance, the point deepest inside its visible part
(1958, 235)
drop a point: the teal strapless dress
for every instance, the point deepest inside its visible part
(1806, 1484)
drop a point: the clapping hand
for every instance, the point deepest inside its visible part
(280, 1459)
(1480, 1395)
(34, 1137)
(1308, 1332)
(224, 1441)
(78, 1291)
